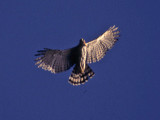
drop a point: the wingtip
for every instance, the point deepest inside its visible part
(113, 28)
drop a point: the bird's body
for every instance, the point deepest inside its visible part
(80, 56)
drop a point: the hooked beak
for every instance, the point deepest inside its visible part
(84, 42)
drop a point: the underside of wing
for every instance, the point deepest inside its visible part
(55, 60)
(97, 48)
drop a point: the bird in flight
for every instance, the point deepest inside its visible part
(80, 56)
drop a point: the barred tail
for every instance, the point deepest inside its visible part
(78, 78)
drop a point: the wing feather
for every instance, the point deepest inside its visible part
(96, 49)
(55, 60)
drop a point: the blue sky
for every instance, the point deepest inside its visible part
(126, 84)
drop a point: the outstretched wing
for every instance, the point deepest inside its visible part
(55, 60)
(97, 48)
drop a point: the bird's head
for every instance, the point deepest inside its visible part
(82, 42)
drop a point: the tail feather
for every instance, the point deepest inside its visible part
(78, 78)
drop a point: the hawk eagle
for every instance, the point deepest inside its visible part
(84, 53)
